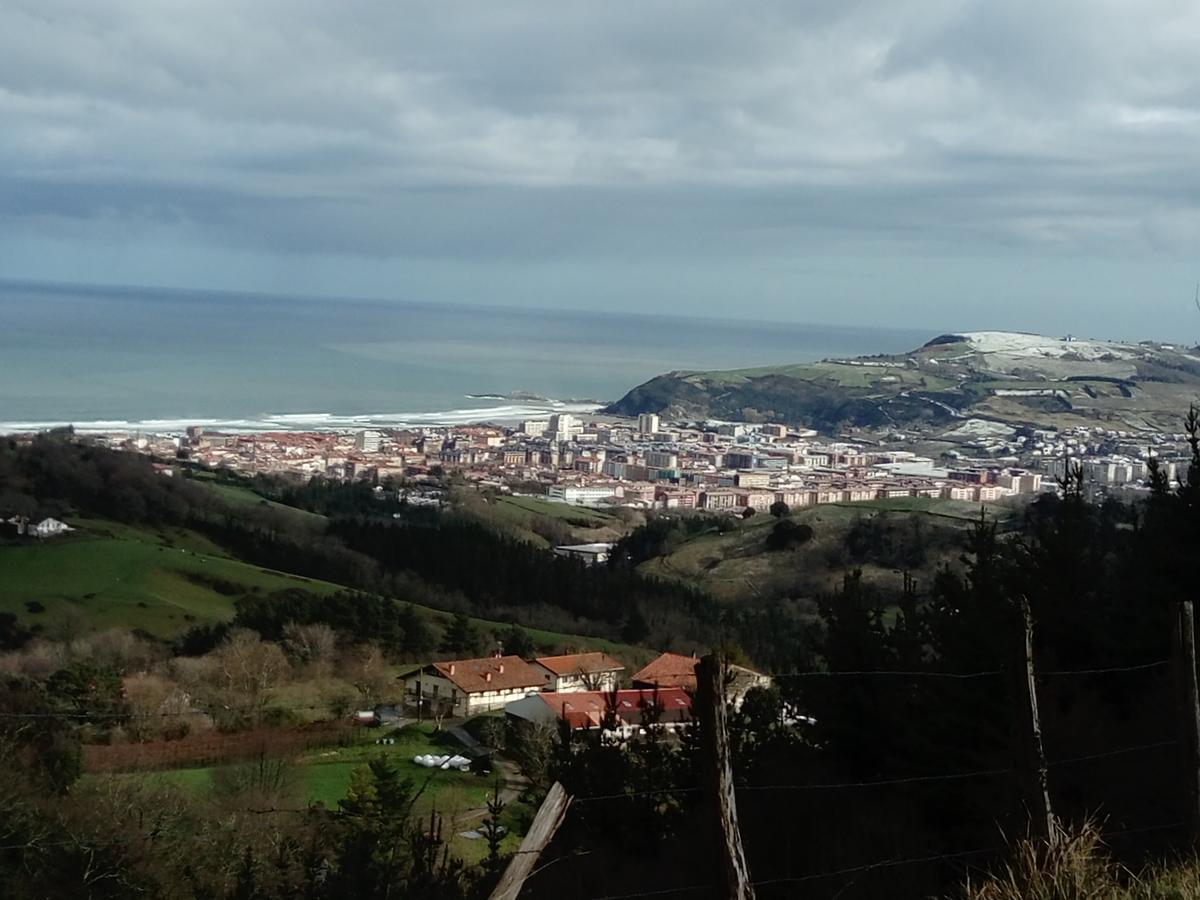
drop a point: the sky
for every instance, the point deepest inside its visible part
(945, 164)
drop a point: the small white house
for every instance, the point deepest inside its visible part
(580, 672)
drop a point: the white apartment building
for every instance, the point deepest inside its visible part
(578, 495)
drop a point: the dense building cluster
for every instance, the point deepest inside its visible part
(731, 466)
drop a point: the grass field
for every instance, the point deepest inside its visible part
(324, 777)
(115, 575)
(518, 517)
(110, 575)
(244, 496)
(539, 507)
(736, 564)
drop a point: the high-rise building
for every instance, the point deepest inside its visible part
(648, 423)
(367, 441)
(564, 426)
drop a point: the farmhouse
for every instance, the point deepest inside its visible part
(580, 672)
(677, 670)
(464, 687)
(668, 670)
(631, 710)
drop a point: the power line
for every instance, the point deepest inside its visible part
(1110, 753)
(883, 864)
(916, 779)
(889, 673)
(1137, 668)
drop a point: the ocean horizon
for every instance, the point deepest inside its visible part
(115, 358)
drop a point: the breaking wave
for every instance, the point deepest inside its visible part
(315, 421)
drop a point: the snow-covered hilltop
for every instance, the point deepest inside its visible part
(1021, 345)
(1000, 376)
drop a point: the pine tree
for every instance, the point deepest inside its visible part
(460, 638)
(494, 831)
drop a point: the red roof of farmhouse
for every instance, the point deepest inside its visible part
(492, 673)
(580, 663)
(670, 670)
(586, 709)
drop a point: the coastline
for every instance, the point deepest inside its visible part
(506, 414)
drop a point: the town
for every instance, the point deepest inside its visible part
(646, 463)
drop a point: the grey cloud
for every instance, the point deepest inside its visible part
(585, 136)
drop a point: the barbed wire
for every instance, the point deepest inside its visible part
(1105, 671)
(887, 673)
(1110, 753)
(867, 867)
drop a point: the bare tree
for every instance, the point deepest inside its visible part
(310, 646)
(367, 669)
(249, 668)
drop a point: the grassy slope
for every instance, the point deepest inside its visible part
(839, 373)
(515, 516)
(324, 777)
(736, 564)
(116, 575)
(244, 496)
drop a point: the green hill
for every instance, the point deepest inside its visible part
(1021, 379)
(109, 574)
(883, 538)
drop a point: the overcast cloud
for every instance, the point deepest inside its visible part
(944, 164)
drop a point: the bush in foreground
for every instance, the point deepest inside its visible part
(1079, 867)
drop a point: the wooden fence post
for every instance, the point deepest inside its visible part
(1035, 781)
(549, 817)
(718, 774)
(1183, 651)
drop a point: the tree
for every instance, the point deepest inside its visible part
(493, 732)
(249, 669)
(748, 512)
(370, 674)
(779, 509)
(460, 639)
(380, 851)
(311, 646)
(636, 629)
(786, 534)
(532, 746)
(517, 642)
(494, 831)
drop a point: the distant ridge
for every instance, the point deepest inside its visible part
(1013, 377)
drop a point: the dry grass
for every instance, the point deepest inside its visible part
(1079, 868)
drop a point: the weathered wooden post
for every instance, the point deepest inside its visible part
(1183, 652)
(718, 774)
(1034, 777)
(549, 817)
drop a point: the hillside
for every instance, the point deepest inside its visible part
(1021, 379)
(885, 539)
(165, 580)
(108, 574)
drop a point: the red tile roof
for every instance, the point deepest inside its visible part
(669, 670)
(586, 709)
(492, 673)
(580, 663)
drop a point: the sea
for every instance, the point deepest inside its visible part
(156, 360)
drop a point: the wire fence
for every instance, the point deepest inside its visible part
(110, 715)
(973, 855)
